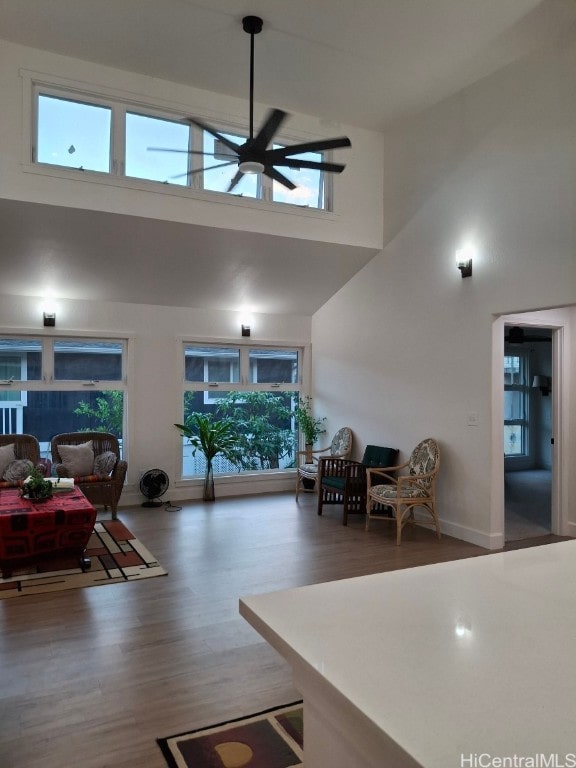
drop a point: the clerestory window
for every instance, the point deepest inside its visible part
(96, 135)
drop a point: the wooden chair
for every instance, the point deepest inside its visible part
(98, 489)
(343, 481)
(306, 473)
(403, 494)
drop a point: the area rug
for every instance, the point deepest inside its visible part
(116, 555)
(270, 739)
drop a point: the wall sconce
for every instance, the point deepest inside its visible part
(246, 321)
(49, 314)
(464, 261)
(542, 383)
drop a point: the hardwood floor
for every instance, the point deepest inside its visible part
(92, 677)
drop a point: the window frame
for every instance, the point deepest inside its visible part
(120, 106)
(81, 100)
(48, 383)
(523, 388)
(243, 385)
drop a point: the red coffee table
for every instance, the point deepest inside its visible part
(32, 531)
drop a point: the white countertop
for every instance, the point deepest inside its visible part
(474, 656)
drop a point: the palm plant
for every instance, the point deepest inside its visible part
(211, 437)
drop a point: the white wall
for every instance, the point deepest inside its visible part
(155, 335)
(357, 216)
(405, 349)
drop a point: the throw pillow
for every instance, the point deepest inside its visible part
(6, 457)
(78, 460)
(18, 470)
(104, 463)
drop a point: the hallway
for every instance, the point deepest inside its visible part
(528, 503)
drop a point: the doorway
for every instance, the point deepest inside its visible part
(528, 431)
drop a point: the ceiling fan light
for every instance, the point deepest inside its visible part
(251, 166)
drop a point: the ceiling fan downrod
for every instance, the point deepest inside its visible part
(253, 26)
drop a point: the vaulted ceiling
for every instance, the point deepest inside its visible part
(360, 62)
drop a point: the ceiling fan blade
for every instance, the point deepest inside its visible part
(235, 181)
(269, 128)
(289, 162)
(279, 177)
(213, 132)
(312, 146)
(200, 170)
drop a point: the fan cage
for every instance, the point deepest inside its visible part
(153, 484)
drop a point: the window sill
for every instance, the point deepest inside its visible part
(175, 190)
(270, 475)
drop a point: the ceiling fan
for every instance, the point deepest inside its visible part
(254, 156)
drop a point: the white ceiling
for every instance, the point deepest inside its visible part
(374, 60)
(361, 62)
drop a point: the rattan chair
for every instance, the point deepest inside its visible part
(307, 471)
(403, 494)
(25, 447)
(101, 490)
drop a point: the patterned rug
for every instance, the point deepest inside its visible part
(115, 553)
(270, 739)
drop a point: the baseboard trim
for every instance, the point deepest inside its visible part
(472, 535)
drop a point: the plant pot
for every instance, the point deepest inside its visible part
(36, 499)
(208, 492)
(308, 449)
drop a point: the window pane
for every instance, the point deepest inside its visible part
(309, 183)
(513, 440)
(212, 364)
(218, 179)
(142, 133)
(50, 412)
(20, 359)
(513, 405)
(264, 428)
(512, 370)
(87, 360)
(73, 134)
(273, 366)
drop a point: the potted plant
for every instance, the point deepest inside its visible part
(311, 428)
(36, 487)
(207, 434)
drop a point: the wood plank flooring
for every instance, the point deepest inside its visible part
(92, 677)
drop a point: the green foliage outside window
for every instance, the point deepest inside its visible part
(262, 424)
(106, 415)
(261, 439)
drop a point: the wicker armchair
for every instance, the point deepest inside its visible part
(306, 473)
(343, 481)
(98, 488)
(25, 447)
(403, 494)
